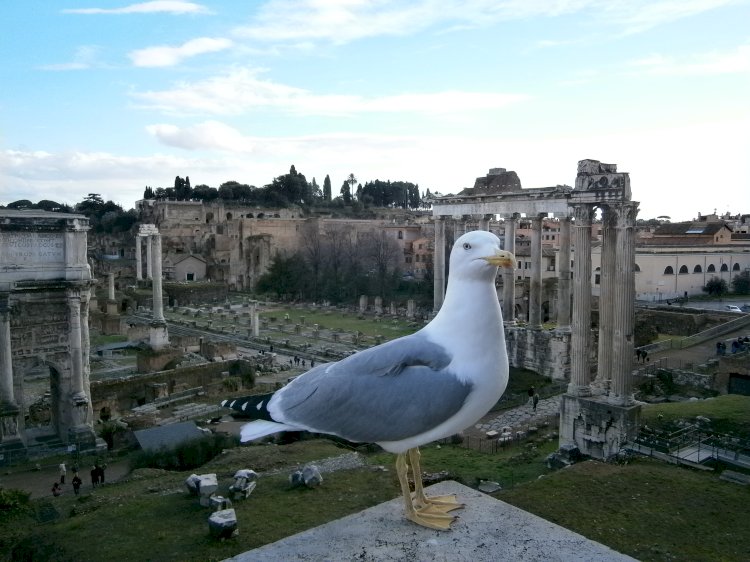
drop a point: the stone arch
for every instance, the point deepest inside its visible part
(698, 269)
(711, 268)
(668, 270)
(724, 267)
(683, 269)
(229, 216)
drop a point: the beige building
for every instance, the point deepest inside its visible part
(678, 259)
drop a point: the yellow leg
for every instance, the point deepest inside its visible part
(438, 521)
(423, 503)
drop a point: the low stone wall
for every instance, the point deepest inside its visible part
(123, 394)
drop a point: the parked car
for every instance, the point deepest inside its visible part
(745, 308)
(732, 308)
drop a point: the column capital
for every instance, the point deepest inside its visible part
(583, 214)
(627, 214)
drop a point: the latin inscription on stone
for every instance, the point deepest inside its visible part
(25, 248)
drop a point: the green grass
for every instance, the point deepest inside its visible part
(729, 413)
(649, 510)
(100, 339)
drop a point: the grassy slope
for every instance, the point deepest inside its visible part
(728, 414)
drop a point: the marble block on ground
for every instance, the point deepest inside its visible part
(487, 530)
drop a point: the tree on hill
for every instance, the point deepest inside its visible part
(327, 188)
(346, 193)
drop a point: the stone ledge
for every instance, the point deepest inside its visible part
(486, 530)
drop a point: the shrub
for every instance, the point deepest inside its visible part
(13, 501)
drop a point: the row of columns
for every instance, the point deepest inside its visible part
(535, 284)
(616, 301)
(616, 342)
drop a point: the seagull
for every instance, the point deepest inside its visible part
(412, 390)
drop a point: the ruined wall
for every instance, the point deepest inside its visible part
(546, 352)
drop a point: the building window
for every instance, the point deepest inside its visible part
(668, 270)
(683, 269)
(190, 277)
(697, 269)
(400, 235)
(736, 267)
(710, 268)
(724, 267)
(636, 268)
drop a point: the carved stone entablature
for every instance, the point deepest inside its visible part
(148, 230)
(601, 182)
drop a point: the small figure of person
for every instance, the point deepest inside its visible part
(638, 354)
(94, 476)
(312, 363)
(718, 348)
(535, 400)
(76, 482)
(101, 468)
(644, 354)
(531, 393)
(56, 489)
(63, 471)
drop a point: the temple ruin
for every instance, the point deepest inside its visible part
(598, 413)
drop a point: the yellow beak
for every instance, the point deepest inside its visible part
(501, 258)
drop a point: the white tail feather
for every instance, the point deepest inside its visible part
(260, 428)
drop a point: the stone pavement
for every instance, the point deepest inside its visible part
(521, 416)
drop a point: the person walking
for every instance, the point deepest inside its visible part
(535, 400)
(63, 471)
(76, 482)
(94, 476)
(56, 489)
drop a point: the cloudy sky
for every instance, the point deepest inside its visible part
(108, 96)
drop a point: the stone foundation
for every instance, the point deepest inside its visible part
(597, 428)
(546, 352)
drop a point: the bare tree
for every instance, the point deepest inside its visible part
(384, 257)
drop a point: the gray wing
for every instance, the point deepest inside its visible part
(387, 393)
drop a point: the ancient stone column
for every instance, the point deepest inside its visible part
(156, 271)
(439, 265)
(6, 359)
(111, 302)
(484, 222)
(149, 259)
(535, 282)
(580, 339)
(378, 305)
(607, 281)
(138, 259)
(464, 224)
(563, 277)
(624, 301)
(411, 308)
(85, 342)
(75, 345)
(509, 273)
(362, 303)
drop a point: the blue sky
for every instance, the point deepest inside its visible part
(109, 96)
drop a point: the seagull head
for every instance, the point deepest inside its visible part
(477, 255)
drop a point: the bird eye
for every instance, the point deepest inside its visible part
(467, 246)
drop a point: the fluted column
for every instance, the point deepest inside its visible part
(6, 358)
(607, 280)
(535, 281)
(85, 342)
(624, 307)
(439, 265)
(156, 270)
(149, 259)
(581, 321)
(563, 277)
(509, 273)
(138, 258)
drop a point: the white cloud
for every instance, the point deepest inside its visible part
(241, 91)
(164, 55)
(343, 21)
(154, 7)
(736, 61)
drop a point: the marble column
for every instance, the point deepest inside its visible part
(484, 222)
(509, 273)
(607, 281)
(563, 277)
(580, 340)
(624, 307)
(7, 396)
(75, 344)
(158, 312)
(535, 281)
(85, 341)
(439, 264)
(464, 224)
(138, 259)
(149, 259)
